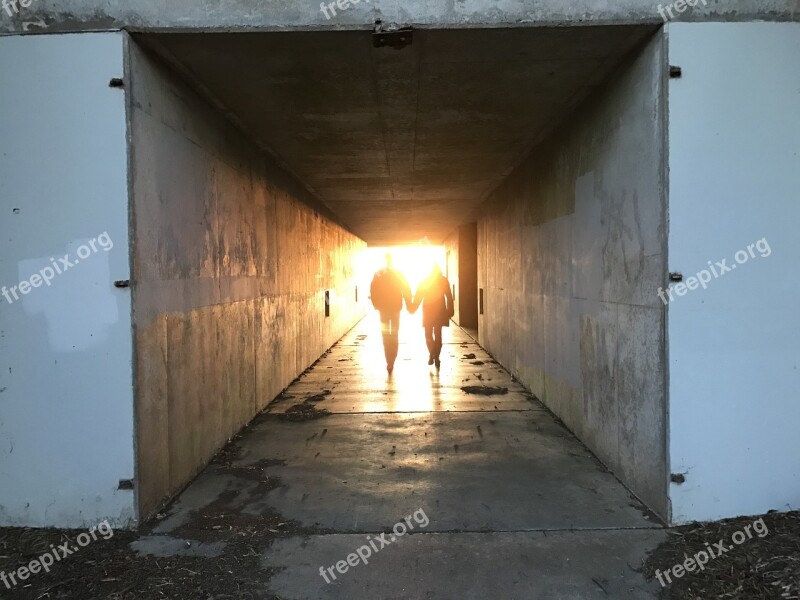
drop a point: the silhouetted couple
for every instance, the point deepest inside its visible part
(388, 291)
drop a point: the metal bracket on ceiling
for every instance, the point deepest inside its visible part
(392, 36)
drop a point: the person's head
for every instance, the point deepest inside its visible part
(435, 270)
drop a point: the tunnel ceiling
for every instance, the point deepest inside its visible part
(400, 143)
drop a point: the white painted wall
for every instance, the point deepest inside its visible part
(734, 347)
(66, 400)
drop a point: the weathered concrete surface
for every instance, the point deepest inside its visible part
(572, 251)
(553, 565)
(231, 266)
(82, 15)
(515, 503)
(401, 144)
(503, 471)
(468, 276)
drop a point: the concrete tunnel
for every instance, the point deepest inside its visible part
(390, 145)
(240, 175)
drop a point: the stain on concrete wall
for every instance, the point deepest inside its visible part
(572, 253)
(231, 266)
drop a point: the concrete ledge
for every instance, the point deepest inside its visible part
(235, 15)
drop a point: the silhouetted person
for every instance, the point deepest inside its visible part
(437, 309)
(388, 290)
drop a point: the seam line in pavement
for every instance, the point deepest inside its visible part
(427, 412)
(483, 531)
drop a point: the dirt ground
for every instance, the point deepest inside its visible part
(111, 570)
(763, 564)
(765, 567)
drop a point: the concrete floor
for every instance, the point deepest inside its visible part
(516, 506)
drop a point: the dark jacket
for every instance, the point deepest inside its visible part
(388, 289)
(437, 301)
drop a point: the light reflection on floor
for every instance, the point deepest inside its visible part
(354, 373)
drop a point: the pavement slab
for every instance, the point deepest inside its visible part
(561, 565)
(515, 506)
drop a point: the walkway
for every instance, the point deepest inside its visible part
(504, 502)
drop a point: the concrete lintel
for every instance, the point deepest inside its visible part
(234, 15)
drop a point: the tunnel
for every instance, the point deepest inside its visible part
(192, 214)
(264, 163)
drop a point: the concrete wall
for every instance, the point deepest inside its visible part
(74, 15)
(462, 271)
(468, 276)
(66, 400)
(451, 269)
(571, 254)
(230, 270)
(734, 355)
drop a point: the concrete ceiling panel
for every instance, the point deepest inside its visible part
(400, 143)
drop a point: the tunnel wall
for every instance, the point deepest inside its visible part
(733, 343)
(230, 269)
(571, 255)
(468, 276)
(66, 397)
(462, 271)
(451, 270)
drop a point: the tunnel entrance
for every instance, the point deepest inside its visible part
(264, 164)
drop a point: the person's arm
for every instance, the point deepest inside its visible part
(413, 305)
(406, 290)
(372, 289)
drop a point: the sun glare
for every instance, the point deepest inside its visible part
(415, 261)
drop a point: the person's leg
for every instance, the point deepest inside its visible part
(437, 331)
(431, 343)
(386, 334)
(391, 346)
